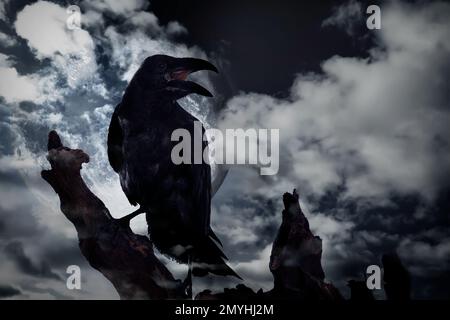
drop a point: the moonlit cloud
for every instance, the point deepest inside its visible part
(7, 40)
(15, 87)
(44, 25)
(3, 10)
(117, 7)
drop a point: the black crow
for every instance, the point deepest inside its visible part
(175, 198)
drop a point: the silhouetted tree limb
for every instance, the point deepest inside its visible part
(124, 258)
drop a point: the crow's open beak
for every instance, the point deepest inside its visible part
(178, 72)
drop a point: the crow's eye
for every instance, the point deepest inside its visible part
(161, 66)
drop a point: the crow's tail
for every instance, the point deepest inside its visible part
(209, 258)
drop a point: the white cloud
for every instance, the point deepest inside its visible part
(7, 40)
(380, 125)
(424, 258)
(118, 7)
(43, 25)
(3, 10)
(146, 20)
(345, 16)
(319, 171)
(4, 60)
(15, 87)
(329, 228)
(257, 271)
(174, 27)
(420, 29)
(242, 229)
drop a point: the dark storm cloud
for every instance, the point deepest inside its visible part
(6, 139)
(20, 230)
(16, 252)
(19, 225)
(16, 222)
(55, 294)
(8, 291)
(246, 224)
(65, 254)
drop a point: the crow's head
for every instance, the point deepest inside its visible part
(167, 75)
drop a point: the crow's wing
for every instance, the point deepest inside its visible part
(115, 140)
(192, 182)
(202, 194)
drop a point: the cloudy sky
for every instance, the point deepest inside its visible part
(363, 118)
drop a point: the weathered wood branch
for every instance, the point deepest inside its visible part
(127, 260)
